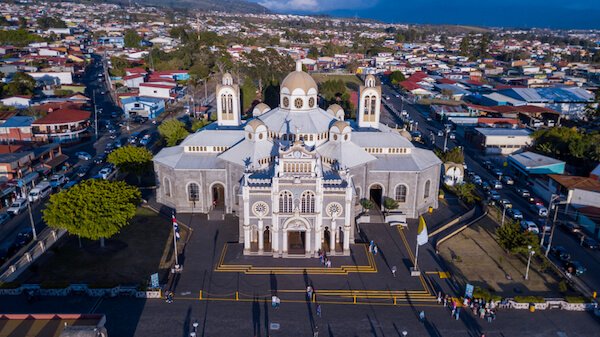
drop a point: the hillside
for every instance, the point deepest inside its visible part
(240, 6)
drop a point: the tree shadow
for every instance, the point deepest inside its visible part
(256, 316)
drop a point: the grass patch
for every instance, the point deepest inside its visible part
(352, 82)
(529, 299)
(130, 257)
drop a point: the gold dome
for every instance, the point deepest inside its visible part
(299, 80)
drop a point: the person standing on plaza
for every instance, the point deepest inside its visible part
(319, 310)
(457, 313)
(375, 250)
(422, 316)
(394, 269)
(309, 292)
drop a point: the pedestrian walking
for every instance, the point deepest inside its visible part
(439, 298)
(371, 246)
(457, 313)
(309, 292)
(394, 269)
(453, 313)
(445, 301)
(422, 316)
(375, 250)
(319, 310)
(328, 263)
(316, 331)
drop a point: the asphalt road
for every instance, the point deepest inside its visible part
(474, 159)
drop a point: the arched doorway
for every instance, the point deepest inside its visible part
(296, 236)
(296, 242)
(267, 239)
(218, 196)
(326, 240)
(376, 194)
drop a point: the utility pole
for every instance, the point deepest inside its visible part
(33, 231)
(552, 229)
(553, 197)
(95, 115)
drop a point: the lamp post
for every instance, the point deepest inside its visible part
(503, 214)
(446, 139)
(33, 231)
(553, 225)
(530, 252)
(552, 204)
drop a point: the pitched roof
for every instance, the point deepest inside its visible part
(576, 182)
(63, 116)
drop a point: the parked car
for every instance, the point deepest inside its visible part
(497, 172)
(4, 217)
(590, 243)
(82, 170)
(477, 180)
(486, 186)
(452, 135)
(536, 202)
(541, 210)
(523, 192)
(118, 143)
(57, 180)
(488, 164)
(575, 268)
(497, 184)
(109, 148)
(145, 140)
(23, 239)
(71, 183)
(505, 203)
(17, 207)
(83, 155)
(100, 159)
(571, 227)
(530, 226)
(40, 191)
(508, 180)
(561, 253)
(104, 173)
(440, 133)
(494, 195)
(515, 214)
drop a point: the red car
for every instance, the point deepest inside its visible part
(536, 202)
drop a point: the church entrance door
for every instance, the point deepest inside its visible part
(218, 196)
(376, 195)
(296, 242)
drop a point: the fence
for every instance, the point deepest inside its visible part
(26, 256)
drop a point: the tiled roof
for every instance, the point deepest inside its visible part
(576, 182)
(63, 116)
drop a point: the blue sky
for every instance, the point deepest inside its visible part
(505, 13)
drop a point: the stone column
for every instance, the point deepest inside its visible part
(246, 239)
(261, 242)
(307, 248)
(347, 240)
(332, 236)
(284, 247)
(318, 243)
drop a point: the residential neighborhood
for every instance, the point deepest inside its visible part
(178, 169)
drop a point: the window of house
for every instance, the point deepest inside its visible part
(308, 202)
(401, 193)
(285, 202)
(193, 192)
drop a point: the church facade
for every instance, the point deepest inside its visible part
(294, 174)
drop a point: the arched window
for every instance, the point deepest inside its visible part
(236, 192)
(401, 193)
(193, 192)
(224, 103)
(308, 202)
(373, 107)
(230, 105)
(367, 104)
(427, 188)
(167, 186)
(286, 202)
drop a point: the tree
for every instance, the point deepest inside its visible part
(50, 22)
(313, 52)
(465, 45)
(21, 84)
(366, 204)
(397, 77)
(454, 155)
(132, 159)
(199, 124)
(173, 131)
(131, 39)
(467, 192)
(248, 93)
(390, 203)
(515, 240)
(93, 209)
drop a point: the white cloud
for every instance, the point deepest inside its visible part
(314, 5)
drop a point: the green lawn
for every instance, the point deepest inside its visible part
(130, 257)
(352, 82)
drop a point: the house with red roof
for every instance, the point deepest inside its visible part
(62, 125)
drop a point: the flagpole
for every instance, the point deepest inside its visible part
(416, 256)
(174, 221)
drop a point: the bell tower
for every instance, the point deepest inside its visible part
(228, 102)
(369, 105)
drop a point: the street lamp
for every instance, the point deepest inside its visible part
(552, 204)
(530, 252)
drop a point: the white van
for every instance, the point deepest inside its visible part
(541, 210)
(40, 191)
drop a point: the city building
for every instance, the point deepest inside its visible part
(62, 125)
(501, 141)
(294, 174)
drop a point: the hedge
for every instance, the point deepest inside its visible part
(529, 299)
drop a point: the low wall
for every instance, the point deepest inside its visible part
(83, 289)
(553, 304)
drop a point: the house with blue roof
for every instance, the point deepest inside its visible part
(17, 128)
(569, 101)
(150, 107)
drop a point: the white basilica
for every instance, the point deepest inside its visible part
(294, 174)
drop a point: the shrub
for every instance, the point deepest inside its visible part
(563, 286)
(575, 299)
(9, 285)
(102, 285)
(390, 203)
(529, 299)
(366, 204)
(485, 294)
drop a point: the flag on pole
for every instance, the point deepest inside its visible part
(175, 227)
(422, 232)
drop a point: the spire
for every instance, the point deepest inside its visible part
(299, 65)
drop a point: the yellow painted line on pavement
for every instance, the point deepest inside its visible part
(304, 302)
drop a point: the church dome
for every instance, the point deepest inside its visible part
(260, 109)
(336, 111)
(299, 80)
(254, 124)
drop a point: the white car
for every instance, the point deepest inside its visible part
(17, 207)
(530, 226)
(104, 173)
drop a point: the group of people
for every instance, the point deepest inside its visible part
(373, 249)
(324, 259)
(479, 306)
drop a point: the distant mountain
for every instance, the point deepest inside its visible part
(237, 6)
